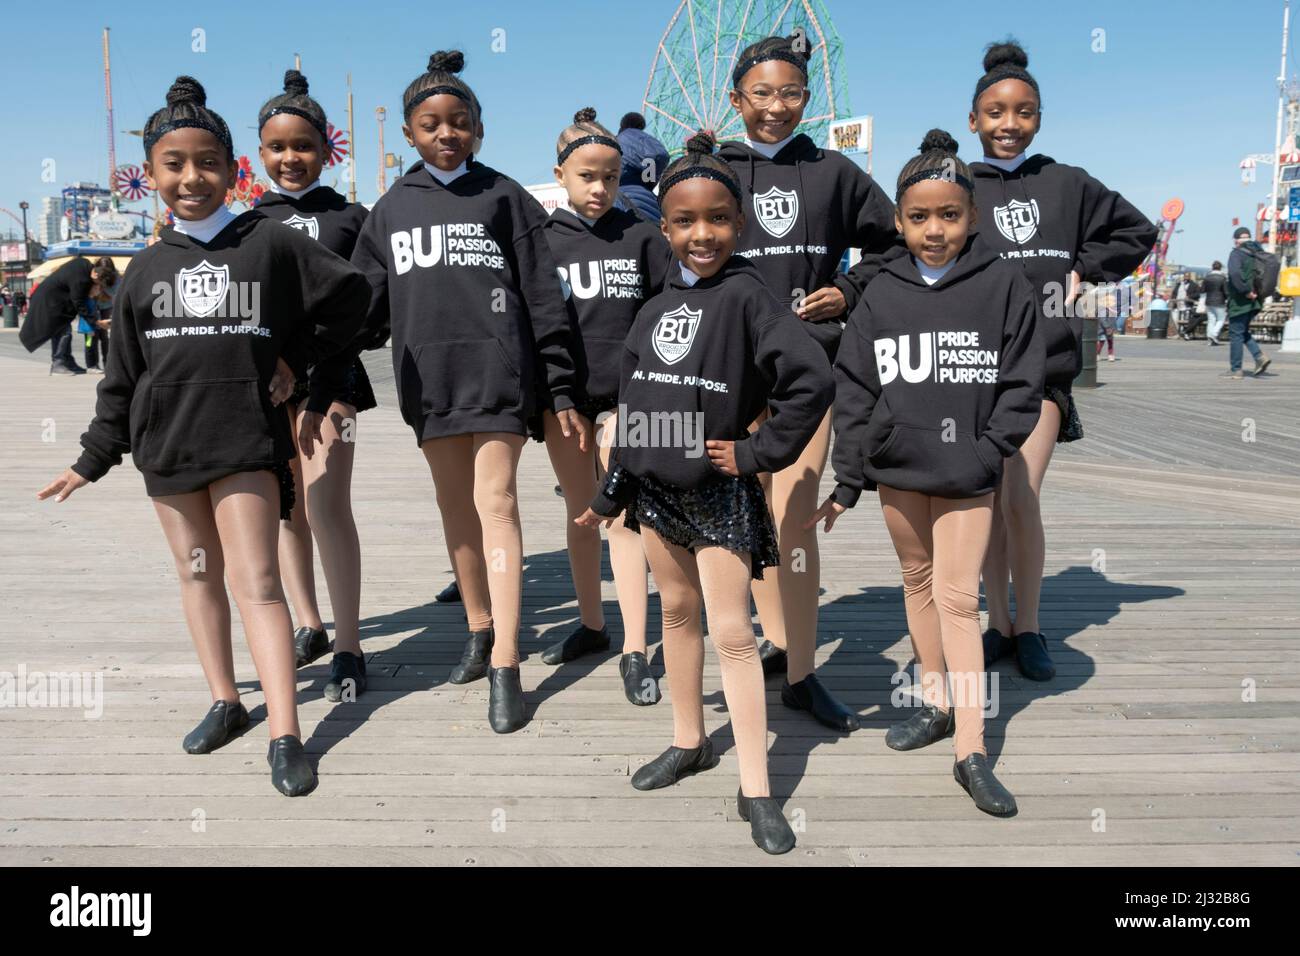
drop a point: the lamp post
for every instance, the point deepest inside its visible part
(27, 248)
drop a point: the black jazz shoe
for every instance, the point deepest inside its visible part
(767, 824)
(450, 594)
(1031, 655)
(346, 667)
(309, 644)
(773, 658)
(923, 728)
(474, 661)
(582, 641)
(811, 695)
(976, 778)
(996, 646)
(224, 720)
(639, 685)
(291, 772)
(673, 764)
(505, 699)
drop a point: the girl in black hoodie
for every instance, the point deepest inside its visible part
(804, 207)
(463, 278)
(324, 405)
(610, 261)
(703, 358)
(211, 326)
(938, 381)
(1062, 227)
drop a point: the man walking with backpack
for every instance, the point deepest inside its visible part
(1249, 282)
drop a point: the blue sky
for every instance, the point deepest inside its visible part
(1182, 92)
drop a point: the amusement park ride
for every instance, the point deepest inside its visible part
(690, 76)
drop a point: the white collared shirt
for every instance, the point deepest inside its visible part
(204, 230)
(932, 274)
(768, 149)
(443, 176)
(1007, 165)
(689, 277)
(293, 193)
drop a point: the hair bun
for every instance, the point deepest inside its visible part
(295, 84)
(938, 139)
(447, 61)
(1007, 53)
(585, 115)
(186, 89)
(801, 38)
(703, 142)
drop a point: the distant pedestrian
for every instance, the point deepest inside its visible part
(1216, 302)
(644, 161)
(1244, 302)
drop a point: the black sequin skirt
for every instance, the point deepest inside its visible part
(588, 408)
(1071, 427)
(354, 390)
(725, 511)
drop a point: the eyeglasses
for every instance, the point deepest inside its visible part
(762, 97)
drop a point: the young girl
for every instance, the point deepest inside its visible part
(610, 262)
(805, 206)
(938, 381)
(324, 406)
(1061, 227)
(710, 352)
(456, 255)
(211, 326)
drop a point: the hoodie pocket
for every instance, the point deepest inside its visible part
(918, 459)
(205, 424)
(604, 363)
(466, 373)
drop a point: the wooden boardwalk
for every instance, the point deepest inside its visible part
(1142, 750)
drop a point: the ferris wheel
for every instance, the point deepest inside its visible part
(691, 73)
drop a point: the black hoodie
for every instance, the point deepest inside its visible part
(197, 329)
(335, 223)
(725, 349)
(936, 385)
(804, 208)
(1054, 219)
(608, 270)
(464, 280)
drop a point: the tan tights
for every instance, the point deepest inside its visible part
(474, 478)
(228, 531)
(787, 596)
(718, 579)
(940, 544)
(579, 474)
(325, 512)
(1017, 548)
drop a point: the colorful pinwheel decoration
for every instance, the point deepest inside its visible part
(244, 180)
(337, 145)
(130, 183)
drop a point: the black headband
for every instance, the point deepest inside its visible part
(221, 133)
(423, 95)
(1000, 73)
(937, 172)
(293, 111)
(692, 172)
(596, 139)
(778, 53)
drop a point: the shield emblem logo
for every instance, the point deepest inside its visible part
(776, 210)
(203, 288)
(307, 225)
(1017, 221)
(674, 333)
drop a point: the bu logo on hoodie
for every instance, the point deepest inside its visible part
(202, 288)
(309, 226)
(674, 333)
(776, 210)
(465, 244)
(1017, 220)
